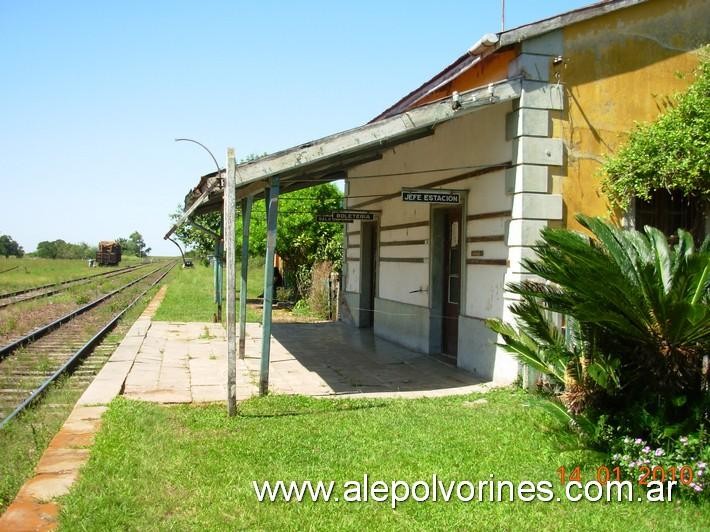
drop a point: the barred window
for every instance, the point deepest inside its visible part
(669, 212)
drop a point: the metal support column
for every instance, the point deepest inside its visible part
(230, 207)
(246, 222)
(218, 277)
(272, 214)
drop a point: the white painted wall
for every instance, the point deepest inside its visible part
(465, 144)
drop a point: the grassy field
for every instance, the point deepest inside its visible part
(190, 295)
(191, 468)
(32, 271)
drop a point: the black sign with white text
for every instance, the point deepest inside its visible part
(431, 196)
(351, 216)
(329, 218)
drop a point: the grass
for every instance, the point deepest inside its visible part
(26, 437)
(190, 295)
(33, 271)
(191, 468)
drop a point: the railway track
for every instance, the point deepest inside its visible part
(71, 345)
(9, 269)
(26, 294)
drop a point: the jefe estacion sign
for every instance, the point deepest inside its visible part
(431, 196)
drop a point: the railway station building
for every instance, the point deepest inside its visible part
(449, 188)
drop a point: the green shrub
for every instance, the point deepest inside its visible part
(637, 328)
(668, 154)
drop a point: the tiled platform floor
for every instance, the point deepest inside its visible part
(186, 362)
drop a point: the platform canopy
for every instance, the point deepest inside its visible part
(320, 161)
(329, 158)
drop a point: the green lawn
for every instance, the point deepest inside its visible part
(190, 295)
(191, 468)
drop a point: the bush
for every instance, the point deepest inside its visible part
(668, 154)
(319, 294)
(314, 286)
(637, 329)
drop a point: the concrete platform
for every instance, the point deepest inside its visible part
(186, 362)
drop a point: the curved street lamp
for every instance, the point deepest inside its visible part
(218, 244)
(219, 170)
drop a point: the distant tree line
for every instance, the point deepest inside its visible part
(9, 247)
(59, 249)
(134, 245)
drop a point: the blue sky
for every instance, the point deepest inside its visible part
(93, 94)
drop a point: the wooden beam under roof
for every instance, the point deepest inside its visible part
(339, 152)
(371, 137)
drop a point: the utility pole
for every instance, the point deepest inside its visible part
(502, 15)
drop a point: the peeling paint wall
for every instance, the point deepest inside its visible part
(481, 74)
(619, 69)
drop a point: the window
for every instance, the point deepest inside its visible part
(670, 211)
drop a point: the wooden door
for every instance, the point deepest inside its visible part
(452, 283)
(368, 273)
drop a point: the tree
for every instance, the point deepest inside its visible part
(47, 249)
(671, 153)
(133, 245)
(198, 240)
(8, 247)
(638, 325)
(59, 249)
(301, 240)
(138, 244)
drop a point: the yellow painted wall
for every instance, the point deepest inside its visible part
(618, 69)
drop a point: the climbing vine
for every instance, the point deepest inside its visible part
(671, 153)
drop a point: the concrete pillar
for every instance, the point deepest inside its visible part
(535, 152)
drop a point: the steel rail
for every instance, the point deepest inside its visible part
(60, 283)
(70, 364)
(10, 269)
(60, 286)
(41, 331)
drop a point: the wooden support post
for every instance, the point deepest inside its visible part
(246, 221)
(230, 207)
(272, 215)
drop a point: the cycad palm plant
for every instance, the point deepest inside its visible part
(639, 308)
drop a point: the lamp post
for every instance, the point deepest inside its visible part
(219, 170)
(218, 248)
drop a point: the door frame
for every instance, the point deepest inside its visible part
(437, 267)
(369, 260)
